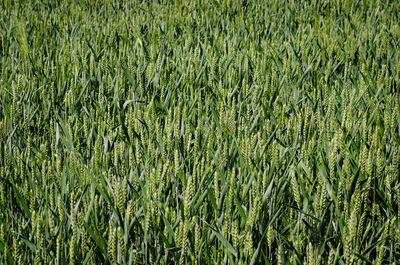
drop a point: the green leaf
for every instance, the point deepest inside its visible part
(225, 242)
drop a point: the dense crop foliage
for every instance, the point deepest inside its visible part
(199, 132)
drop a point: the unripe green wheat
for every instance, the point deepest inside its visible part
(295, 188)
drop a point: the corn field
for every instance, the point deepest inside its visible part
(200, 132)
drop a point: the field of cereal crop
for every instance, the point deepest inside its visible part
(200, 132)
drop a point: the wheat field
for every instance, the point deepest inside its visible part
(200, 132)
